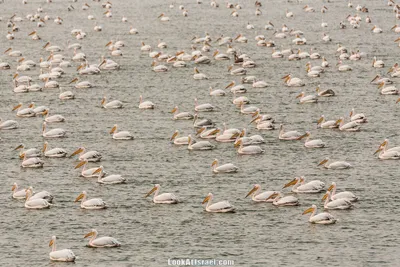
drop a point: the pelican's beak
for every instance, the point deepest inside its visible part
(215, 131)
(102, 63)
(241, 133)
(383, 144)
(173, 136)
(79, 197)
(398, 39)
(13, 188)
(162, 14)
(393, 27)
(15, 75)
(9, 49)
(151, 192)
(80, 164)
(320, 120)
(46, 45)
(238, 143)
(253, 120)
(325, 196)
(207, 198)
(381, 85)
(74, 80)
(18, 147)
(229, 85)
(215, 53)
(230, 68)
(97, 171)
(255, 114)
(299, 96)
(309, 210)
(338, 121)
(79, 150)
(286, 76)
(79, 67)
(113, 129)
(51, 243)
(32, 33)
(44, 147)
(292, 182)
(173, 110)
(398, 100)
(274, 195)
(235, 135)
(16, 107)
(22, 156)
(330, 188)
(301, 137)
(251, 191)
(200, 130)
(323, 162)
(22, 59)
(213, 163)
(379, 150)
(88, 234)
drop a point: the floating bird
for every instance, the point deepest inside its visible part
(65, 255)
(321, 218)
(102, 242)
(165, 198)
(220, 207)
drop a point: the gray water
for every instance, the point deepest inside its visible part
(257, 234)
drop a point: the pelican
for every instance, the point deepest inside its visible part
(236, 89)
(338, 204)
(248, 109)
(221, 207)
(315, 186)
(90, 204)
(257, 196)
(91, 156)
(389, 90)
(41, 195)
(376, 29)
(200, 145)
(54, 118)
(385, 145)
(218, 56)
(66, 95)
(198, 75)
(343, 67)
(81, 85)
(24, 113)
(21, 194)
(226, 136)
(123, 135)
(37, 203)
(247, 150)
(165, 198)
(111, 105)
(384, 154)
(203, 107)
(291, 135)
(321, 218)
(226, 168)
(342, 195)
(317, 143)
(32, 162)
(292, 82)
(133, 30)
(307, 98)
(377, 63)
(262, 117)
(206, 133)
(201, 123)
(158, 68)
(289, 14)
(65, 255)
(145, 48)
(53, 153)
(251, 140)
(179, 140)
(12, 53)
(325, 93)
(337, 165)
(351, 126)
(29, 153)
(280, 200)
(259, 84)
(87, 173)
(308, 8)
(110, 179)
(181, 115)
(53, 133)
(323, 124)
(145, 104)
(8, 125)
(163, 18)
(102, 242)
(53, 48)
(238, 71)
(217, 92)
(378, 79)
(360, 117)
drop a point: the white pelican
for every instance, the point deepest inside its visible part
(109, 179)
(53, 118)
(323, 124)
(207, 133)
(53, 153)
(377, 63)
(29, 153)
(359, 117)
(250, 140)
(133, 30)
(201, 123)
(163, 18)
(343, 67)
(90, 204)
(37, 203)
(342, 195)
(221, 207)
(198, 75)
(111, 105)
(269, 26)
(307, 98)
(317, 143)
(260, 197)
(321, 218)
(337, 204)
(158, 68)
(324, 93)
(181, 115)
(389, 90)
(247, 150)
(53, 133)
(259, 84)
(351, 126)
(24, 113)
(14, 53)
(123, 135)
(21, 194)
(292, 82)
(291, 135)
(337, 165)
(203, 107)
(378, 79)
(238, 71)
(145, 48)
(179, 140)
(314, 186)
(308, 8)
(289, 14)
(218, 56)
(8, 125)
(326, 38)
(200, 145)
(217, 92)
(236, 89)
(32, 162)
(87, 173)
(226, 168)
(385, 145)
(102, 242)
(248, 109)
(145, 104)
(263, 124)
(280, 200)
(384, 154)
(65, 255)
(165, 198)
(91, 156)
(81, 85)
(225, 137)
(376, 29)
(262, 117)
(53, 48)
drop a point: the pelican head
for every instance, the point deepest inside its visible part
(156, 186)
(215, 162)
(327, 195)
(114, 129)
(307, 134)
(19, 147)
(207, 198)
(253, 190)
(80, 164)
(274, 195)
(78, 151)
(82, 195)
(91, 233)
(333, 185)
(292, 182)
(323, 162)
(174, 135)
(310, 210)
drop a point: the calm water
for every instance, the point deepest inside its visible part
(258, 234)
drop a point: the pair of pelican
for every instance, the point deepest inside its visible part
(336, 204)
(35, 203)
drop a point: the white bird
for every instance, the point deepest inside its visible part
(346, 194)
(90, 204)
(179, 140)
(359, 117)
(145, 104)
(37, 203)
(280, 200)
(91, 156)
(307, 98)
(323, 124)
(352, 126)
(102, 242)
(384, 154)
(112, 104)
(53, 133)
(110, 179)
(337, 165)
(219, 207)
(247, 150)
(87, 173)
(226, 168)
(18, 194)
(321, 218)
(53, 153)
(337, 204)
(257, 196)
(291, 135)
(203, 107)
(314, 186)
(199, 145)
(65, 255)
(32, 162)
(8, 125)
(317, 143)
(165, 198)
(122, 135)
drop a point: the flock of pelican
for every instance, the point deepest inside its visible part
(203, 132)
